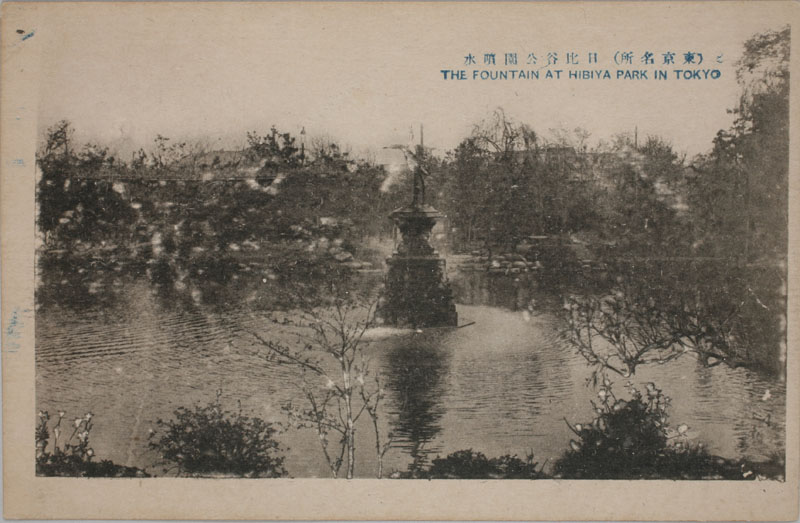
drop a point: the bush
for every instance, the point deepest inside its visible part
(467, 464)
(74, 457)
(211, 441)
(632, 440)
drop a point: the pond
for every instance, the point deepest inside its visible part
(503, 385)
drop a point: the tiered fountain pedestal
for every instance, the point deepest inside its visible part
(416, 293)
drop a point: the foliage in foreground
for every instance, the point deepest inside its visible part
(211, 441)
(74, 456)
(627, 439)
(631, 439)
(468, 464)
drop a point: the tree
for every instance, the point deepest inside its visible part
(620, 331)
(55, 163)
(720, 296)
(336, 380)
(465, 190)
(739, 202)
(76, 197)
(489, 186)
(740, 196)
(613, 333)
(505, 183)
(504, 137)
(276, 151)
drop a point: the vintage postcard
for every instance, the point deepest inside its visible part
(504, 261)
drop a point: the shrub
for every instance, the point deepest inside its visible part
(467, 464)
(631, 439)
(211, 441)
(74, 456)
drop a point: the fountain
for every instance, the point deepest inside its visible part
(416, 292)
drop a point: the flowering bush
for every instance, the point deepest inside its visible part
(74, 456)
(631, 439)
(211, 441)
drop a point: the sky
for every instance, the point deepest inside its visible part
(365, 74)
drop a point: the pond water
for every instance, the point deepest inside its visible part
(503, 385)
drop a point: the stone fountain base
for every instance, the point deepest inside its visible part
(416, 293)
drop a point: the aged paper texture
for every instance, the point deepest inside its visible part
(504, 261)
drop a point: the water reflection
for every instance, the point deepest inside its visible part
(414, 370)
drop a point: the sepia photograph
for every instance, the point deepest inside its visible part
(257, 243)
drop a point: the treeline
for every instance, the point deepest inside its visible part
(506, 182)
(199, 225)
